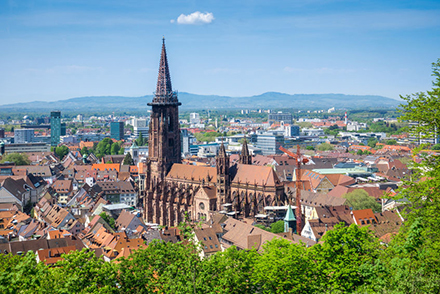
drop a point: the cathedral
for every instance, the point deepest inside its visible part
(173, 190)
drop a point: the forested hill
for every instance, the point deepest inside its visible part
(269, 100)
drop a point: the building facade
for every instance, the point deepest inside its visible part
(23, 136)
(117, 130)
(55, 128)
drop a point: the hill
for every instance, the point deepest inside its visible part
(194, 101)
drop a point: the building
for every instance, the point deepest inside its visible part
(194, 118)
(270, 144)
(23, 136)
(2, 132)
(27, 148)
(279, 117)
(140, 127)
(241, 189)
(291, 131)
(117, 130)
(55, 128)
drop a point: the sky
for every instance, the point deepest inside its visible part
(58, 49)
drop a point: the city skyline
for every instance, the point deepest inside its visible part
(61, 49)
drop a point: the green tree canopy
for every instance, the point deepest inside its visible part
(424, 108)
(128, 160)
(61, 151)
(325, 147)
(17, 158)
(359, 199)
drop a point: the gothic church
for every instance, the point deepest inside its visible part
(172, 189)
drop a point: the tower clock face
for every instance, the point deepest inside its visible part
(202, 206)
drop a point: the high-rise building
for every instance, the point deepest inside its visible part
(23, 136)
(55, 128)
(2, 132)
(117, 130)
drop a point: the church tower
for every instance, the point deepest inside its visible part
(164, 133)
(223, 179)
(245, 157)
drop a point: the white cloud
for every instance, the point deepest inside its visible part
(195, 18)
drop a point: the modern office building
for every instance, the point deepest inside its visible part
(23, 136)
(117, 130)
(55, 128)
(291, 131)
(270, 144)
(140, 126)
(2, 132)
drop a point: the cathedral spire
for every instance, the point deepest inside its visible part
(222, 151)
(164, 91)
(245, 157)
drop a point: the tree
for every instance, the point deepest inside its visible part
(345, 260)
(424, 108)
(310, 148)
(115, 149)
(359, 199)
(62, 151)
(372, 142)
(283, 268)
(85, 151)
(436, 147)
(277, 227)
(17, 158)
(108, 219)
(325, 147)
(128, 160)
(391, 142)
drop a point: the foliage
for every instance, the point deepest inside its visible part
(306, 125)
(283, 268)
(310, 148)
(17, 158)
(383, 127)
(436, 147)
(372, 142)
(128, 160)
(108, 219)
(423, 108)
(277, 227)
(332, 130)
(141, 141)
(325, 147)
(85, 151)
(359, 199)
(61, 151)
(344, 260)
(107, 147)
(207, 137)
(391, 142)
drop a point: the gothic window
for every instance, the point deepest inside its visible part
(202, 206)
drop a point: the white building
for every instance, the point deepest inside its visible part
(23, 136)
(194, 118)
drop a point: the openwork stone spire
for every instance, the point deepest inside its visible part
(245, 157)
(164, 91)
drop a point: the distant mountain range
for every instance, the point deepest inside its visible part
(269, 100)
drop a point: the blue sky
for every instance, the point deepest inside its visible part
(59, 49)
